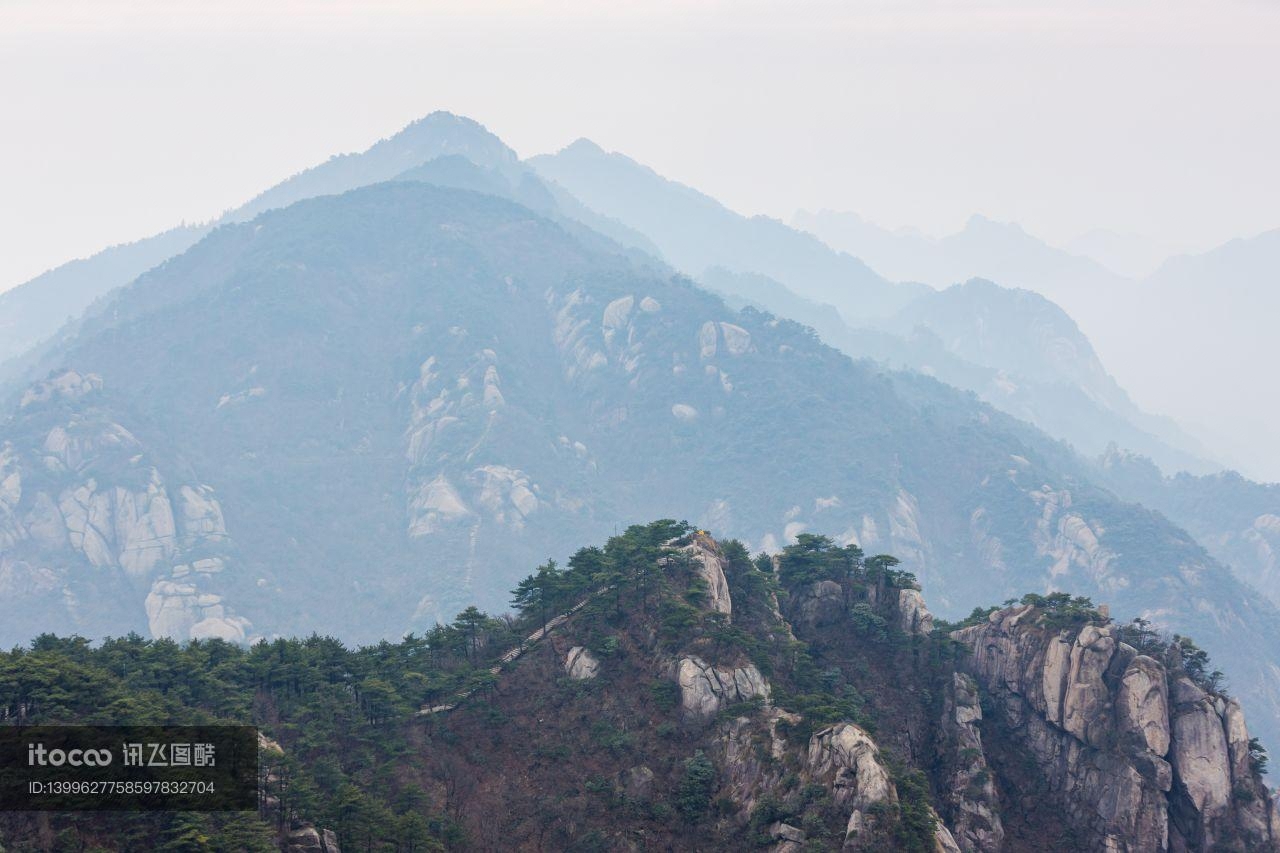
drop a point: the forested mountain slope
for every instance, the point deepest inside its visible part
(693, 699)
(398, 396)
(1236, 519)
(470, 157)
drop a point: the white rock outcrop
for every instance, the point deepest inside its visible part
(434, 506)
(1143, 703)
(913, 616)
(1199, 749)
(705, 689)
(68, 385)
(709, 563)
(580, 664)
(845, 757)
(180, 611)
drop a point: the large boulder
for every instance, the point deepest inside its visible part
(581, 664)
(705, 689)
(1201, 762)
(913, 616)
(710, 562)
(1087, 699)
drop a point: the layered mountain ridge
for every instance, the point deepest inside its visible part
(399, 394)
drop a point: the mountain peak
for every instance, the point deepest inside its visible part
(443, 120)
(978, 222)
(443, 132)
(584, 147)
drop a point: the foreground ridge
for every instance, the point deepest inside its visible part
(669, 691)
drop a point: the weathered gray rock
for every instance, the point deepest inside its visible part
(68, 385)
(710, 566)
(579, 663)
(1087, 701)
(820, 605)
(102, 508)
(1133, 764)
(913, 616)
(305, 839)
(200, 514)
(705, 689)
(943, 840)
(1199, 754)
(971, 800)
(1143, 703)
(845, 757)
(749, 774)
(1052, 694)
(789, 838)
(308, 839)
(179, 610)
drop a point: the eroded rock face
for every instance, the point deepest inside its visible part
(581, 664)
(1200, 756)
(68, 385)
(82, 500)
(1086, 701)
(705, 689)
(636, 782)
(972, 803)
(822, 604)
(180, 611)
(710, 566)
(846, 758)
(1143, 703)
(308, 839)
(749, 774)
(1133, 764)
(943, 840)
(787, 838)
(913, 616)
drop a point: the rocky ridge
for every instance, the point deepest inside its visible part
(1138, 755)
(1037, 712)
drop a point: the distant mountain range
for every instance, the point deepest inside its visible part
(637, 208)
(358, 413)
(1171, 336)
(453, 150)
(1013, 348)
(998, 251)
(1214, 351)
(362, 411)
(695, 232)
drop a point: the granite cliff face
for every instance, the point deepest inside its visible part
(87, 513)
(1138, 756)
(1043, 726)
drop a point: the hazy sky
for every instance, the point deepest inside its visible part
(1160, 118)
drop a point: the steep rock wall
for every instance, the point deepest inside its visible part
(1137, 757)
